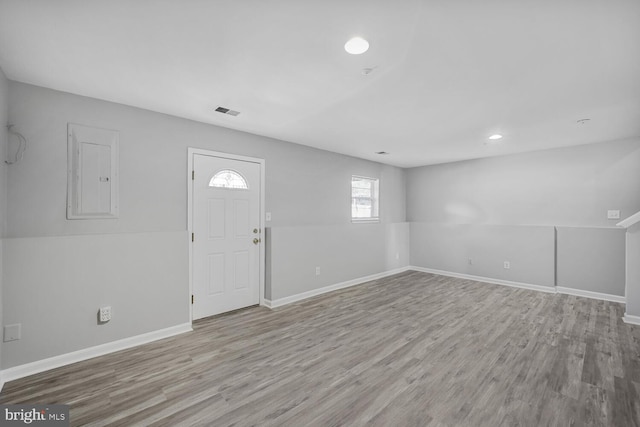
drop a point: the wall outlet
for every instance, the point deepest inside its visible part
(267, 216)
(613, 214)
(507, 265)
(105, 314)
(12, 332)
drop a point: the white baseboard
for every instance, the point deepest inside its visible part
(299, 297)
(267, 303)
(632, 320)
(591, 294)
(548, 289)
(27, 369)
(530, 286)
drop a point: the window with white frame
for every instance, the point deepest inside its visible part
(229, 179)
(365, 200)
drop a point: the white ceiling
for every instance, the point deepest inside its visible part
(447, 73)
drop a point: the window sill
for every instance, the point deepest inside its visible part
(365, 220)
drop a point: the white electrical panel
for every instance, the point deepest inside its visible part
(92, 172)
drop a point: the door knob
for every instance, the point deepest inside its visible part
(256, 241)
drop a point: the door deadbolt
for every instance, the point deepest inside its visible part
(256, 241)
(256, 231)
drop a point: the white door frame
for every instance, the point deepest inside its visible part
(190, 153)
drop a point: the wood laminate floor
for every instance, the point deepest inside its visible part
(413, 349)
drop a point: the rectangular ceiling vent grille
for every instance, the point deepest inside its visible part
(228, 111)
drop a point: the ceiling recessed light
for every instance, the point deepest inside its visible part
(356, 46)
(495, 137)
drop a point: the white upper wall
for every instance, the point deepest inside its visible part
(304, 186)
(565, 187)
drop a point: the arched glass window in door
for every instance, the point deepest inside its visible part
(228, 179)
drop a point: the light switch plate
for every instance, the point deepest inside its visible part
(613, 214)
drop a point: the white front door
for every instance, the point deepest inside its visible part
(226, 234)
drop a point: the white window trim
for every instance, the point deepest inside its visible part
(371, 220)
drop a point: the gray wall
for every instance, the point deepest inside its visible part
(307, 190)
(591, 259)
(342, 253)
(633, 270)
(4, 118)
(563, 188)
(305, 186)
(572, 186)
(449, 247)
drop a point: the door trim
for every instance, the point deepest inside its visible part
(262, 258)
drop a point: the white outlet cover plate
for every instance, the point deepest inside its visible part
(12, 332)
(105, 314)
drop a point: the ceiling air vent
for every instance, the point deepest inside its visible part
(228, 111)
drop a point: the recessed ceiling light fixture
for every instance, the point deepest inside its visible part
(356, 46)
(495, 137)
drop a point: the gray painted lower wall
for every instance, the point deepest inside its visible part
(122, 270)
(1, 299)
(56, 296)
(633, 270)
(343, 253)
(581, 258)
(448, 247)
(79, 271)
(591, 259)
